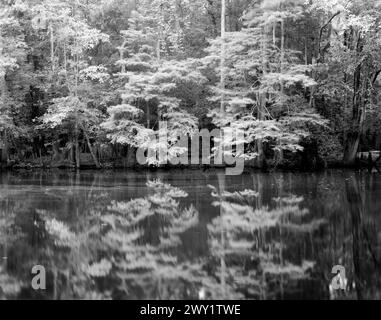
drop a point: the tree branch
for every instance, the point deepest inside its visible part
(322, 30)
(376, 76)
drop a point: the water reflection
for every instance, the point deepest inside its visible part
(189, 235)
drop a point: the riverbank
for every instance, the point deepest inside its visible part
(248, 168)
(295, 164)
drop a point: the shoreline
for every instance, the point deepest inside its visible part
(109, 168)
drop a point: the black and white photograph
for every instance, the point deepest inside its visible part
(191, 151)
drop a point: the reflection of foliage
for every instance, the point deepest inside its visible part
(62, 234)
(100, 269)
(250, 262)
(258, 247)
(137, 253)
(10, 286)
(132, 253)
(137, 247)
(75, 257)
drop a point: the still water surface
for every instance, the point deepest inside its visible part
(190, 234)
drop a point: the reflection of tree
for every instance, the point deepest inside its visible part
(253, 255)
(136, 245)
(144, 235)
(259, 244)
(350, 204)
(64, 249)
(364, 249)
(10, 285)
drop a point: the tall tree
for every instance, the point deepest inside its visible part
(71, 70)
(351, 54)
(12, 54)
(264, 94)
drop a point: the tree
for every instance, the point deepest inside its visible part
(176, 25)
(75, 37)
(12, 53)
(263, 83)
(351, 57)
(151, 82)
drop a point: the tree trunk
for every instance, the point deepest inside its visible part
(279, 153)
(223, 52)
(260, 163)
(52, 47)
(96, 162)
(358, 114)
(282, 54)
(4, 156)
(148, 116)
(77, 151)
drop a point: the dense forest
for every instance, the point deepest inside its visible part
(87, 82)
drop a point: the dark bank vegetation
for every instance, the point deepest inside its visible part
(85, 83)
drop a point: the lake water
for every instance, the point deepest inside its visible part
(190, 235)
